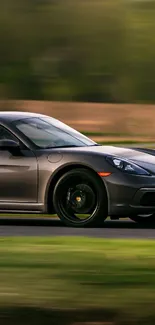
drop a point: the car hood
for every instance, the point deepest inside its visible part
(143, 157)
(136, 154)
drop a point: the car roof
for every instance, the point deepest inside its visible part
(17, 115)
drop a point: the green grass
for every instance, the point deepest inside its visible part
(117, 276)
(128, 142)
(107, 134)
(27, 215)
(118, 142)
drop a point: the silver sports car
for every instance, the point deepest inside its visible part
(48, 167)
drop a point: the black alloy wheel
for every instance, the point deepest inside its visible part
(80, 199)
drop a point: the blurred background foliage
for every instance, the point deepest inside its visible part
(78, 50)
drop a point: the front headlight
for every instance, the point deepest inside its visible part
(127, 166)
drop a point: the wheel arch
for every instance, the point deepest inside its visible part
(61, 171)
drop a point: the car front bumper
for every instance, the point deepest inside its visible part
(130, 194)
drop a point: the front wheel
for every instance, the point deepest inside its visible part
(80, 199)
(144, 219)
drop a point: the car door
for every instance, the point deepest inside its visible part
(18, 173)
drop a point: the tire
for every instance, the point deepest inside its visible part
(80, 193)
(144, 219)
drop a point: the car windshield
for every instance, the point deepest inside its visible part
(46, 132)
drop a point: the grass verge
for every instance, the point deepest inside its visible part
(54, 277)
(121, 139)
(128, 142)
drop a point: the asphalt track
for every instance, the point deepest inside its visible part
(52, 227)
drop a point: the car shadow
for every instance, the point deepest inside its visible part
(30, 221)
(54, 222)
(126, 224)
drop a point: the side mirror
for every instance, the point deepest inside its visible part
(8, 144)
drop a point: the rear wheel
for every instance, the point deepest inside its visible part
(145, 219)
(80, 199)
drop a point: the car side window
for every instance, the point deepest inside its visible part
(6, 135)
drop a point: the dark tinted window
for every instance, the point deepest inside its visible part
(5, 134)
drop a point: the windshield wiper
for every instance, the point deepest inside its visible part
(70, 146)
(66, 146)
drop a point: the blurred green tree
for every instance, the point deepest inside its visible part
(82, 50)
